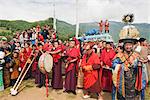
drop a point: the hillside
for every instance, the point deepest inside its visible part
(7, 28)
(66, 30)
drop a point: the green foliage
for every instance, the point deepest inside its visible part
(20, 25)
(65, 30)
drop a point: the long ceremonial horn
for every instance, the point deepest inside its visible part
(12, 89)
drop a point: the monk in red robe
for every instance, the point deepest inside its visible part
(47, 46)
(107, 56)
(35, 63)
(78, 48)
(28, 60)
(23, 57)
(39, 77)
(92, 72)
(57, 81)
(72, 59)
(28, 49)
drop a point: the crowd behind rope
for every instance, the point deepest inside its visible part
(93, 59)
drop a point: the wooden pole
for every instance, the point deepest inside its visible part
(77, 20)
(46, 81)
(54, 16)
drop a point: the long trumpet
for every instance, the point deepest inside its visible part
(21, 76)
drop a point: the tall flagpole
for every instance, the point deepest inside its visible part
(54, 16)
(77, 21)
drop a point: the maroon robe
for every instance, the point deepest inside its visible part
(57, 81)
(28, 54)
(39, 76)
(70, 79)
(106, 58)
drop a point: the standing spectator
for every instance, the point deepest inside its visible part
(2, 61)
(44, 33)
(33, 37)
(15, 68)
(144, 52)
(8, 64)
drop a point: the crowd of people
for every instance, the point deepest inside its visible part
(122, 70)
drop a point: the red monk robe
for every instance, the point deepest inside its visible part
(106, 58)
(78, 48)
(47, 47)
(92, 78)
(72, 53)
(35, 63)
(70, 79)
(57, 56)
(23, 57)
(28, 54)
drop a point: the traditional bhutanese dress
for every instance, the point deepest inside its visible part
(127, 83)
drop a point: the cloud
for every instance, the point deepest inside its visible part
(89, 10)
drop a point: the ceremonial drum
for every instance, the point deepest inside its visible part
(45, 63)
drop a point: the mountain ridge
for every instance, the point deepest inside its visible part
(66, 30)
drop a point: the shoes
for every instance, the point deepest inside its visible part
(65, 91)
(69, 91)
(86, 96)
(74, 92)
(39, 86)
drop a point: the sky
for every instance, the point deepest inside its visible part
(88, 10)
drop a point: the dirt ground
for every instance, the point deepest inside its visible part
(31, 92)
